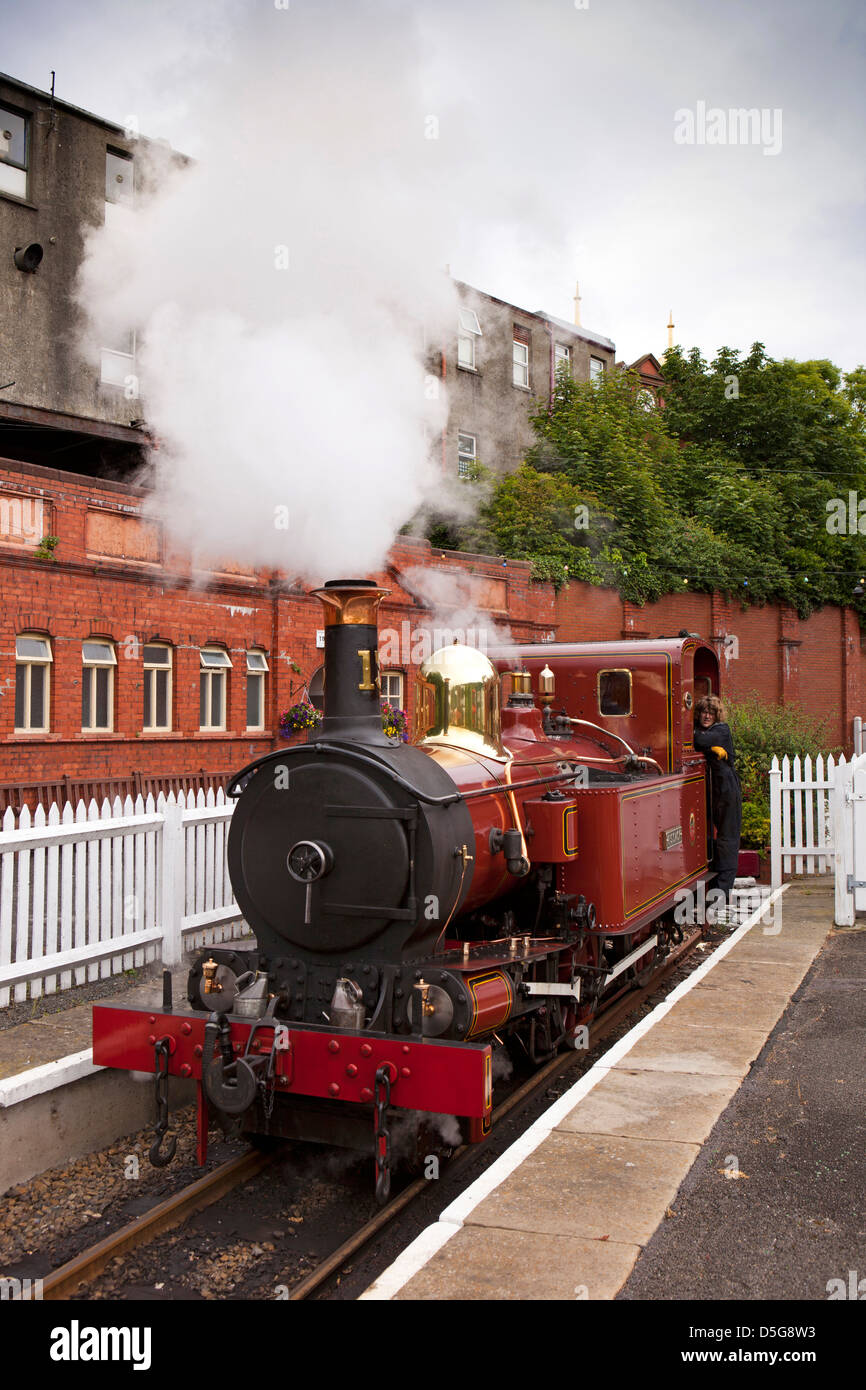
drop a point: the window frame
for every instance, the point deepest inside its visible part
(463, 457)
(27, 118)
(26, 663)
(124, 360)
(260, 675)
(562, 355)
(152, 670)
(213, 674)
(600, 364)
(89, 682)
(125, 158)
(395, 674)
(466, 335)
(516, 364)
(615, 671)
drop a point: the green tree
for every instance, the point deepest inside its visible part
(770, 448)
(733, 485)
(542, 518)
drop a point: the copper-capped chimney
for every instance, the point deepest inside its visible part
(351, 693)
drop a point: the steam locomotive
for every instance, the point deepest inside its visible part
(415, 905)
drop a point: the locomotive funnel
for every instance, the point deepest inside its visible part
(351, 691)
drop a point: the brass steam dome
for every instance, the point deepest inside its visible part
(458, 701)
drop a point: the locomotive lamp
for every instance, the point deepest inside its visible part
(521, 688)
(546, 686)
(209, 970)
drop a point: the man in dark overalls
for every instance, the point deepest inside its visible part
(713, 736)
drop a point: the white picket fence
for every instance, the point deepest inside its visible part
(88, 891)
(802, 800)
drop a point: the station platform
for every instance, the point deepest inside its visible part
(713, 1152)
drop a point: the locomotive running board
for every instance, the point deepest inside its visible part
(630, 959)
(551, 987)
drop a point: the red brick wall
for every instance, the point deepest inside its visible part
(767, 651)
(816, 662)
(131, 601)
(587, 614)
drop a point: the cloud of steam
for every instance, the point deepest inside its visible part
(377, 141)
(293, 407)
(456, 605)
(502, 1064)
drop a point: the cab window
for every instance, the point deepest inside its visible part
(614, 692)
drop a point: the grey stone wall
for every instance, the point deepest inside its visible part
(65, 195)
(485, 402)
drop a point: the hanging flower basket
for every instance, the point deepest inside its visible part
(299, 719)
(394, 722)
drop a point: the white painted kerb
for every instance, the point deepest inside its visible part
(37, 1080)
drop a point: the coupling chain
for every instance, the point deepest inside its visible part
(162, 1051)
(383, 1134)
(269, 1089)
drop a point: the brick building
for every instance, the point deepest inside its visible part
(120, 663)
(120, 667)
(649, 374)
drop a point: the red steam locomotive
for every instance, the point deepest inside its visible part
(413, 905)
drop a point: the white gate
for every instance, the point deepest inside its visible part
(801, 816)
(850, 841)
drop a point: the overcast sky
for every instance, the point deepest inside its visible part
(560, 122)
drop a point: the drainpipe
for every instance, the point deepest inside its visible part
(549, 332)
(445, 427)
(275, 664)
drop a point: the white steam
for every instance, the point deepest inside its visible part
(458, 604)
(286, 289)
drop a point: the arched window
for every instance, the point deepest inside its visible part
(97, 685)
(32, 680)
(316, 689)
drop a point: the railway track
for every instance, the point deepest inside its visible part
(85, 1268)
(558, 1066)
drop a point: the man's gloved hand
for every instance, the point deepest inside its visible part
(719, 752)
